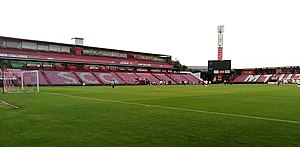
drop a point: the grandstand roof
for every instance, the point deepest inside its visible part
(32, 55)
(279, 67)
(73, 45)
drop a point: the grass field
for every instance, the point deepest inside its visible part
(217, 115)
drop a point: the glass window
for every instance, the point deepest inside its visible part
(97, 52)
(87, 52)
(17, 64)
(2, 43)
(29, 45)
(4, 63)
(115, 54)
(31, 63)
(149, 57)
(137, 56)
(58, 64)
(159, 59)
(47, 63)
(66, 49)
(122, 55)
(106, 53)
(13, 44)
(55, 48)
(43, 47)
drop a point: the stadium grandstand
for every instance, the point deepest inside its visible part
(76, 64)
(284, 75)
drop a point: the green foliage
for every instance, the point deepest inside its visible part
(177, 65)
(194, 70)
(102, 116)
(4, 63)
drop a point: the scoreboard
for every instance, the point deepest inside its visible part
(216, 67)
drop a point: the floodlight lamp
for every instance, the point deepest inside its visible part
(220, 28)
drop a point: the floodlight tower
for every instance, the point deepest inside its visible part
(220, 42)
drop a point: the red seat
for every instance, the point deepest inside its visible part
(62, 78)
(163, 77)
(107, 77)
(148, 76)
(87, 78)
(129, 78)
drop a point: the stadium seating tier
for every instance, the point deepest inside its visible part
(62, 78)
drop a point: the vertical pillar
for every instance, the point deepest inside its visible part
(220, 42)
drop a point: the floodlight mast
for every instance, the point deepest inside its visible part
(2, 72)
(220, 42)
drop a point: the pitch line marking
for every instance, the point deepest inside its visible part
(180, 109)
(8, 104)
(171, 97)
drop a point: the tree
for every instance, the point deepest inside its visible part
(178, 66)
(4, 63)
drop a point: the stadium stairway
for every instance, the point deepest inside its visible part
(78, 78)
(135, 74)
(119, 77)
(148, 76)
(101, 83)
(184, 78)
(177, 82)
(106, 77)
(191, 78)
(164, 77)
(129, 78)
(46, 78)
(62, 78)
(177, 78)
(157, 77)
(88, 78)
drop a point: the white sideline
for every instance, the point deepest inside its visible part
(181, 109)
(7, 104)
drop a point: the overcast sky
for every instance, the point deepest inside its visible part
(258, 33)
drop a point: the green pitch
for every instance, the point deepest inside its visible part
(217, 115)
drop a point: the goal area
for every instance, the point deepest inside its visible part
(16, 81)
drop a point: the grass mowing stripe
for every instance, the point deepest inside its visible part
(181, 109)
